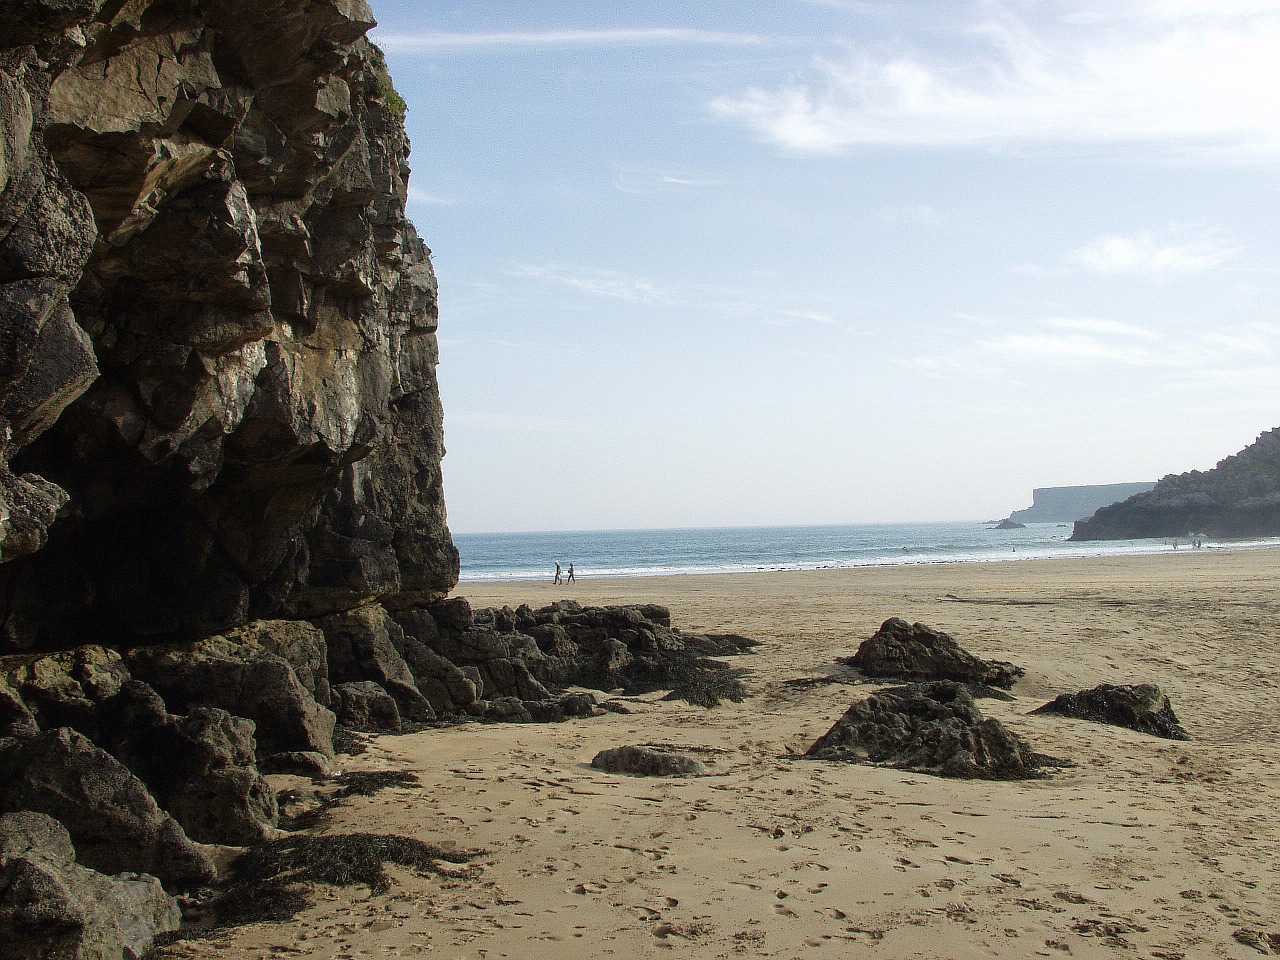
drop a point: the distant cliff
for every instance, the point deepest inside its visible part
(1065, 504)
(1240, 497)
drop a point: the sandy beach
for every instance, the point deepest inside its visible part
(1144, 848)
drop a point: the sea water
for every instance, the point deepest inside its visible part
(631, 553)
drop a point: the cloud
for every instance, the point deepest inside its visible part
(1152, 253)
(1089, 325)
(438, 41)
(1092, 342)
(1193, 79)
(918, 213)
(515, 423)
(639, 180)
(421, 196)
(597, 283)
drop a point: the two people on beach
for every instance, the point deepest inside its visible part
(560, 578)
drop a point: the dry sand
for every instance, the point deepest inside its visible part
(1146, 848)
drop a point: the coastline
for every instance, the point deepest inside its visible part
(528, 557)
(1145, 847)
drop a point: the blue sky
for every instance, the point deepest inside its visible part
(808, 261)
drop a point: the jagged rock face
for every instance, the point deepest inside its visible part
(263, 436)
(1240, 497)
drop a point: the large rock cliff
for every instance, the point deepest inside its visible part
(217, 327)
(1240, 497)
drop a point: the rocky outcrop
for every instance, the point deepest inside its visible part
(1067, 504)
(364, 705)
(524, 654)
(112, 818)
(247, 681)
(1240, 497)
(904, 651)
(217, 328)
(362, 647)
(930, 728)
(51, 908)
(46, 235)
(1143, 707)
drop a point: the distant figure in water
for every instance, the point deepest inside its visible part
(571, 578)
(558, 578)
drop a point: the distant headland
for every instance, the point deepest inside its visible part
(1240, 497)
(1068, 504)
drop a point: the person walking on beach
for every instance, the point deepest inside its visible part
(570, 580)
(558, 578)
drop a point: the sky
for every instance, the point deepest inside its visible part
(833, 261)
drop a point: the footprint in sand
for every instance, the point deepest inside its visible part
(783, 910)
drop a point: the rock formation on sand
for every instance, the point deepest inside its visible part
(930, 728)
(1240, 497)
(904, 651)
(647, 762)
(1143, 707)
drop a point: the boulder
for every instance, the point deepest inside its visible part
(299, 643)
(302, 763)
(15, 719)
(113, 820)
(452, 614)
(243, 680)
(364, 705)
(933, 728)
(52, 908)
(200, 767)
(1143, 707)
(65, 689)
(229, 805)
(903, 651)
(646, 762)
(443, 683)
(551, 710)
(362, 646)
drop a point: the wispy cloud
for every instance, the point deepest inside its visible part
(918, 213)
(1153, 253)
(516, 423)
(597, 283)
(421, 196)
(436, 41)
(1106, 327)
(1092, 342)
(1188, 77)
(640, 180)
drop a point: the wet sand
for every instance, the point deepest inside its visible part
(1146, 848)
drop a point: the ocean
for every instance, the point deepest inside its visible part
(634, 553)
